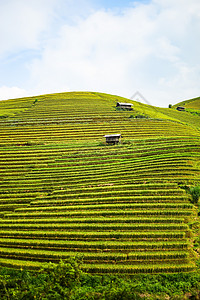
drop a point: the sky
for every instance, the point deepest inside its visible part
(118, 47)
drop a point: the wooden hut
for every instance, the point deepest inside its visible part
(113, 138)
(180, 108)
(127, 106)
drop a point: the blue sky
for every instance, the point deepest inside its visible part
(111, 4)
(116, 47)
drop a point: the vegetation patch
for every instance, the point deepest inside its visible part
(66, 280)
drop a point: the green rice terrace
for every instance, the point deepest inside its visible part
(64, 191)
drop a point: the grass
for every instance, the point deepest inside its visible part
(63, 190)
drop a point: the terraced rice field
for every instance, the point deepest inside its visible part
(63, 191)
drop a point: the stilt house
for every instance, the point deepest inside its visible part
(127, 106)
(180, 108)
(113, 138)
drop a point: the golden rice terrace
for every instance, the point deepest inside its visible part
(64, 191)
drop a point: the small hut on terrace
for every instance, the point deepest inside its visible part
(180, 108)
(127, 106)
(113, 138)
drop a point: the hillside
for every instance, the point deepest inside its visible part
(63, 191)
(192, 103)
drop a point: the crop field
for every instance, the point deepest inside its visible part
(65, 192)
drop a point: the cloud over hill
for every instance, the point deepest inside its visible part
(150, 46)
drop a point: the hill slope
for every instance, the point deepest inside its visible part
(192, 103)
(64, 191)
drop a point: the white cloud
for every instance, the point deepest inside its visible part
(153, 47)
(12, 92)
(22, 22)
(141, 49)
(97, 53)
